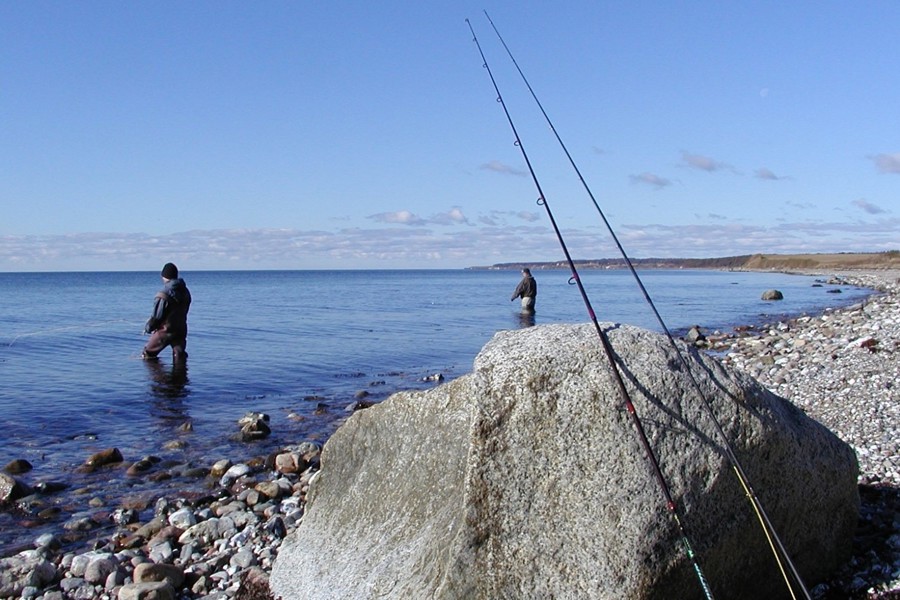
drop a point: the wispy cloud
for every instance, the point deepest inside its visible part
(402, 217)
(499, 218)
(650, 179)
(454, 216)
(498, 167)
(801, 205)
(887, 163)
(400, 246)
(868, 207)
(704, 163)
(764, 173)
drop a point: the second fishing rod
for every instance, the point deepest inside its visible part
(671, 505)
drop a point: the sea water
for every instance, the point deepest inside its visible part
(300, 346)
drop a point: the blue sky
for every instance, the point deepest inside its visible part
(305, 135)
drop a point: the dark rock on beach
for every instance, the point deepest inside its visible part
(102, 458)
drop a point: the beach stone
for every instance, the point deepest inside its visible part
(162, 552)
(290, 462)
(49, 487)
(234, 473)
(206, 532)
(47, 541)
(104, 457)
(525, 479)
(220, 467)
(772, 295)
(17, 466)
(695, 336)
(139, 468)
(152, 590)
(151, 527)
(254, 426)
(80, 524)
(271, 489)
(11, 489)
(169, 533)
(243, 559)
(25, 569)
(146, 572)
(99, 568)
(71, 585)
(182, 518)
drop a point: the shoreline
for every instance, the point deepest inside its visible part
(843, 358)
(842, 368)
(820, 363)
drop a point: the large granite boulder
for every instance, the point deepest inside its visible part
(525, 479)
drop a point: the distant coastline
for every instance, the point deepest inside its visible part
(749, 262)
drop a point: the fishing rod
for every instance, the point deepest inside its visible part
(671, 506)
(780, 553)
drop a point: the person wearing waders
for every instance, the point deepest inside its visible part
(167, 324)
(527, 291)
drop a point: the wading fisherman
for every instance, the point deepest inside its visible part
(167, 324)
(527, 291)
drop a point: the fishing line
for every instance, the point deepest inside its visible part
(607, 347)
(769, 530)
(68, 328)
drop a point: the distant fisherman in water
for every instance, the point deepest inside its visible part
(168, 323)
(527, 291)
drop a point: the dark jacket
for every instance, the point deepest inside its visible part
(170, 308)
(527, 288)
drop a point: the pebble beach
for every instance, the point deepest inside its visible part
(841, 367)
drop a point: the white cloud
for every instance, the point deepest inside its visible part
(403, 217)
(421, 247)
(454, 216)
(887, 163)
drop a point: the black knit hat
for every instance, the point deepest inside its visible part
(170, 271)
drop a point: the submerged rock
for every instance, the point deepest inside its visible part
(525, 479)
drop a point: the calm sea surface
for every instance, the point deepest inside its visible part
(297, 345)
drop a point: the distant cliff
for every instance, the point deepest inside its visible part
(747, 262)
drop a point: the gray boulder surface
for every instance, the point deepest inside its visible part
(525, 479)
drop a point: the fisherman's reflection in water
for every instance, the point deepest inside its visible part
(169, 387)
(526, 319)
